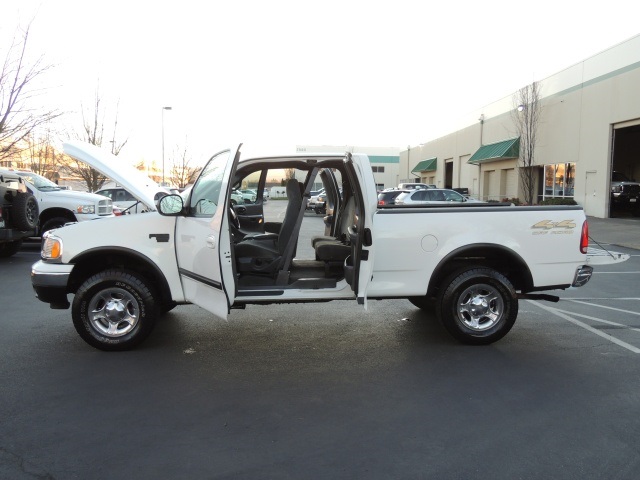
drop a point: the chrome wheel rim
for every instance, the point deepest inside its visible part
(114, 312)
(480, 307)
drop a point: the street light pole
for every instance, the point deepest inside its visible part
(163, 109)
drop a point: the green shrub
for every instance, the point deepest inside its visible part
(558, 201)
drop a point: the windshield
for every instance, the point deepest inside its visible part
(38, 181)
(206, 191)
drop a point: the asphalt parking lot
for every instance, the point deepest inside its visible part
(326, 391)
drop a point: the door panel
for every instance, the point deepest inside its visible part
(251, 217)
(251, 214)
(362, 248)
(203, 241)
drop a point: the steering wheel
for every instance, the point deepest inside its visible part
(233, 217)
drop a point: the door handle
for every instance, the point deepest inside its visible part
(211, 241)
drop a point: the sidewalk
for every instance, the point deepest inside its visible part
(624, 232)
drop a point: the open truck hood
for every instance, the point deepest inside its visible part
(130, 178)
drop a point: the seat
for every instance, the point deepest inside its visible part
(265, 254)
(336, 249)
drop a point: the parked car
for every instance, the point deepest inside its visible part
(248, 193)
(625, 192)
(388, 196)
(320, 206)
(127, 203)
(18, 213)
(240, 198)
(442, 196)
(58, 205)
(414, 186)
(314, 202)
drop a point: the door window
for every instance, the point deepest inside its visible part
(206, 191)
(419, 195)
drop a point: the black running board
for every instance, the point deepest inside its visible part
(538, 296)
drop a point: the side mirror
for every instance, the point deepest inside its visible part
(170, 205)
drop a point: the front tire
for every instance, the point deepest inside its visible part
(115, 310)
(9, 249)
(477, 306)
(53, 223)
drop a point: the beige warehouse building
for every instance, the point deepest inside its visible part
(589, 128)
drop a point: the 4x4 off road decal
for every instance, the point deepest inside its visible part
(544, 227)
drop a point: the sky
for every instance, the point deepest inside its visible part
(283, 73)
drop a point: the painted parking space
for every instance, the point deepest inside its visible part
(608, 307)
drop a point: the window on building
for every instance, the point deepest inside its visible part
(559, 180)
(377, 169)
(379, 186)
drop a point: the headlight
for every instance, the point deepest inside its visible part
(51, 247)
(616, 189)
(86, 209)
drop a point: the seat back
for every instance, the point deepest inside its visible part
(291, 215)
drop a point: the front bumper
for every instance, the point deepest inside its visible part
(50, 282)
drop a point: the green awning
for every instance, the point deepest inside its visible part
(429, 165)
(507, 149)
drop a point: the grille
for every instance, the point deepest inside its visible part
(105, 207)
(631, 190)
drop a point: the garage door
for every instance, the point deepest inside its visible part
(511, 183)
(490, 186)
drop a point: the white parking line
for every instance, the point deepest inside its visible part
(606, 336)
(604, 306)
(602, 298)
(598, 272)
(596, 319)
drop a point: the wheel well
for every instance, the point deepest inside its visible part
(50, 213)
(500, 258)
(96, 261)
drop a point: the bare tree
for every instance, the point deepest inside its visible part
(93, 132)
(19, 116)
(42, 156)
(182, 173)
(526, 117)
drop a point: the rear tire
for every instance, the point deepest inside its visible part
(477, 306)
(115, 310)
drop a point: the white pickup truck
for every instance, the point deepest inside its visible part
(471, 263)
(59, 206)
